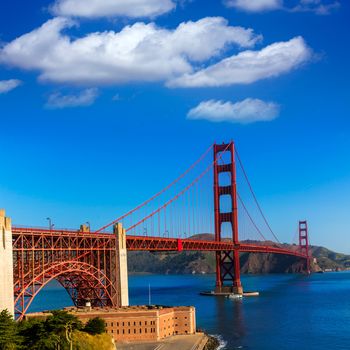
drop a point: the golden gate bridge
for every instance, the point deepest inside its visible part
(209, 207)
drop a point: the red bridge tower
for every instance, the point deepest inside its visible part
(227, 262)
(304, 243)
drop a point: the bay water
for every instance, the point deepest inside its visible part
(292, 312)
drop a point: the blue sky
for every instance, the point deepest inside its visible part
(89, 127)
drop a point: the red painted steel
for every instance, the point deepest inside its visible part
(227, 262)
(158, 193)
(85, 264)
(304, 243)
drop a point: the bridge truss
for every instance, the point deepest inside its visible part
(85, 264)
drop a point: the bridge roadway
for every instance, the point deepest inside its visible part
(34, 238)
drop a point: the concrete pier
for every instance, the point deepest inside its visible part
(6, 264)
(119, 231)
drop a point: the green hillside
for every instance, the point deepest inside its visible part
(251, 263)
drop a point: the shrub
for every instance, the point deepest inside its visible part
(95, 326)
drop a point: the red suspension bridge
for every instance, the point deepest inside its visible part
(201, 210)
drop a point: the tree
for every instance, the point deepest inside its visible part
(95, 326)
(8, 331)
(35, 335)
(49, 333)
(59, 319)
(31, 331)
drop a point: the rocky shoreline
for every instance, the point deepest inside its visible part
(213, 343)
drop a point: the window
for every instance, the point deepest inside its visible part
(134, 323)
(117, 331)
(146, 323)
(140, 323)
(123, 331)
(128, 323)
(117, 324)
(123, 323)
(145, 330)
(112, 324)
(140, 330)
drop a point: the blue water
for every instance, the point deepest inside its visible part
(292, 311)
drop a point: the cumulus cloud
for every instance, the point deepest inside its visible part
(320, 7)
(85, 98)
(139, 52)
(249, 66)
(8, 85)
(110, 8)
(247, 111)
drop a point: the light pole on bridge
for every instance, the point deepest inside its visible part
(51, 225)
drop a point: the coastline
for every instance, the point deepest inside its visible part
(214, 342)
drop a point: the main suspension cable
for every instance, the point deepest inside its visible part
(158, 193)
(177, 195)
(255, 199)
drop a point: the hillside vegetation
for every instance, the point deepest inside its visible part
(251, 263)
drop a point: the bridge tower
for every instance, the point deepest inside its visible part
(304, 243)
(228, 279)
(6, 264)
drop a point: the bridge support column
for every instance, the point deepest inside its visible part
(123, 264)
(6, 264)
(304, 243)
(228, 278)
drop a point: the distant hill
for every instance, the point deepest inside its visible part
(251, 263)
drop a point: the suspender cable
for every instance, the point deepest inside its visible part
(255, 199)
(158, 193)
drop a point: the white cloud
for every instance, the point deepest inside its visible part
(317, 6)
(85, 98)
(140, 52)
(255, 5)
(320, 7)
(246, 111)
(8, 85)
(110, 8)
(249, 66)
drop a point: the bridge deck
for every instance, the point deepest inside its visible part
(143, 243)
